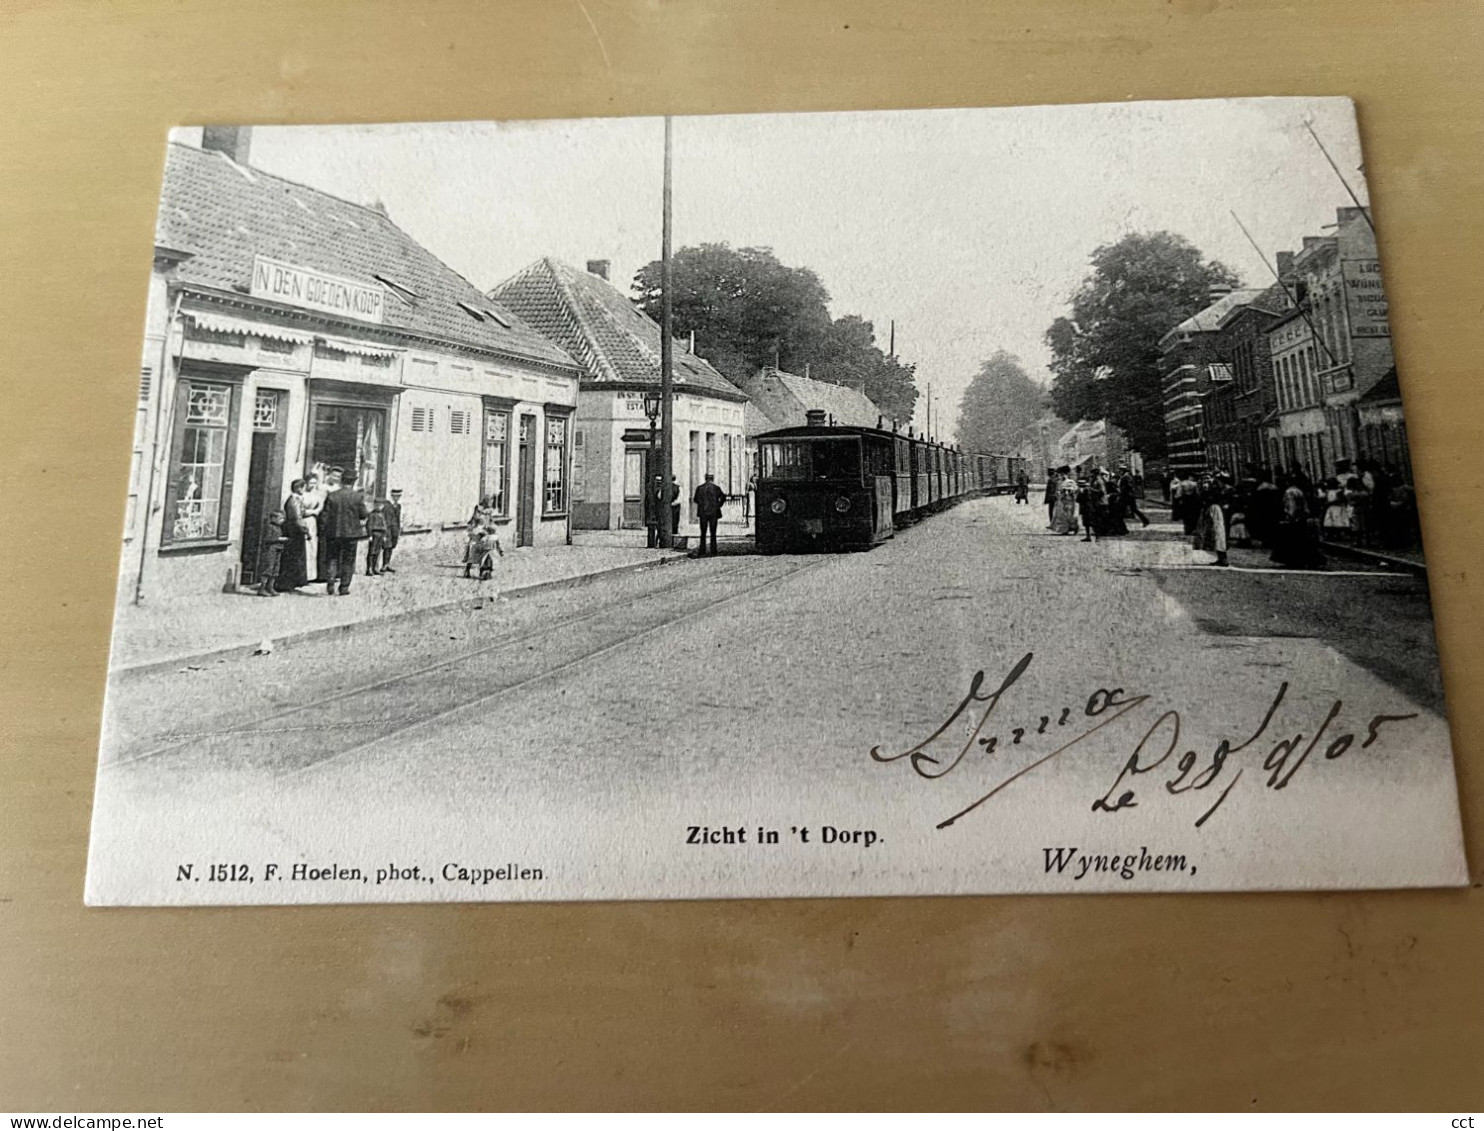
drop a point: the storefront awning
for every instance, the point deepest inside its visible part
(219, 323)
(361, 349)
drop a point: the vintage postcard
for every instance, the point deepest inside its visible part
(929, 502)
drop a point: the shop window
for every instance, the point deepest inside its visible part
(199, 489)
(496, 459)
(556, 464)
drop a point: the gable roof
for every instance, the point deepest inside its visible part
(1210, 317)
(223, 214)
(612, 339)
(783, 400)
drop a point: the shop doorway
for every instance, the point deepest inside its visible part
(264, 478)
(634, 479)
(525, 524)
(349, 436)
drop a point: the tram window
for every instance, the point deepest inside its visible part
(812, 459)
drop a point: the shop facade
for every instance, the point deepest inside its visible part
(259, 370)
(619, 349)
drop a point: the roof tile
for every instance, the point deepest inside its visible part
(224, 214)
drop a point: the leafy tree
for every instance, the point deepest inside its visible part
(1105, 356)
(748, 310)
(1000, 407)
(847, 354)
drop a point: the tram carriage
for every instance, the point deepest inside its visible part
(823, 486)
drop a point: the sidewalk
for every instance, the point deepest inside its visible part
(214, 626)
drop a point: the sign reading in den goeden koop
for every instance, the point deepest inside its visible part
(315, 290)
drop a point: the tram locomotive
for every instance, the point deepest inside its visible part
(826, 487)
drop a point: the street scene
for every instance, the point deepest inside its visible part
(965, 558)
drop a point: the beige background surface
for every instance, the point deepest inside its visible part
(1246, 1002)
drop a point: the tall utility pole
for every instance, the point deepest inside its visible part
(930, 411)
(667, 366)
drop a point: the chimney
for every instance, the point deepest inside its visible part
(814, 417)
(598, 267)
(1285, 264)
(234, 141)
(1311, 241)
(1349, 214)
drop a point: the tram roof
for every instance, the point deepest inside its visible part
(827, 431)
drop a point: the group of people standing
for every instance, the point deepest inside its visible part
(1291, 515)
(709, 499)
(321, 527)
(1098, 502)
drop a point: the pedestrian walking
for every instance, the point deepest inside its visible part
(1129, 490)
(375, 537)
(674, 505)
(1050, 497)
(1022, 487)
(708, 499)
(393, 509)
(270, 554)
(1296, 542)
(293, 567)
(343, 524)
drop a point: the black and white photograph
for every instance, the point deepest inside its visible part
(930, 502)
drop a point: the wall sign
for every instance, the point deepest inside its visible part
(315, 290)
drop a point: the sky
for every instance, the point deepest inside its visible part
(970, 227)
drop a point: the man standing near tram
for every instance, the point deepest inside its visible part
(708, 499)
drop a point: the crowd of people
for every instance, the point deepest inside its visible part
(320, 530)
(1098, 503)
(1290, 514)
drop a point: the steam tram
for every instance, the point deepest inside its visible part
(826, 487)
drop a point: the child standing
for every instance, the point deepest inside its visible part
(376, 531)
(489, 549)
(270, 556)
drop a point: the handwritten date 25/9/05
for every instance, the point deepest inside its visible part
(939, 754)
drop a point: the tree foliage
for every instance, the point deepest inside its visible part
(1000, 407)
(748, 310)
(1105, 356)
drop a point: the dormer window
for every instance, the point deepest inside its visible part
(405, 293)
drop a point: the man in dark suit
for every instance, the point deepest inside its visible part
(709, 498)
(653, 500)
(343, 522)
(393, 511)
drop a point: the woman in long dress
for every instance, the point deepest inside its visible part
(1064, 518)
(293, 568)
(1210, 529)
(313, 503)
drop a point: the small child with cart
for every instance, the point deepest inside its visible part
(484, 548)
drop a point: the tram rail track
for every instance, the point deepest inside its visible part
(457, 683)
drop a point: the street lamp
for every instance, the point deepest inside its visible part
(653, 402)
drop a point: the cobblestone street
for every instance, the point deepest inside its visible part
(749, 692)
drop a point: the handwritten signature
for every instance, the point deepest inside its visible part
(934, 757)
